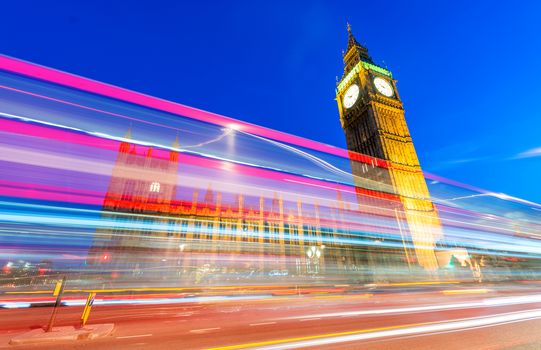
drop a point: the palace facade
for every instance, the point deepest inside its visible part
(216, 234)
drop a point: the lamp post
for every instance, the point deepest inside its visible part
(180, 261)
(313, 253)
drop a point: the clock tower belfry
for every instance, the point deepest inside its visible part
(372, 116)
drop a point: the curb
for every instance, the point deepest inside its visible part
(63, 334)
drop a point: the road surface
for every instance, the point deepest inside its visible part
(502, 317)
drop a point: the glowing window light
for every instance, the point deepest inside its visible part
(155, 187)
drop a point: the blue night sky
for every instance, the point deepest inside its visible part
(468, 72)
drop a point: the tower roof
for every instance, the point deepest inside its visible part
(355, 49)
(351, 39)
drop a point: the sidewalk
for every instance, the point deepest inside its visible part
(63, 334)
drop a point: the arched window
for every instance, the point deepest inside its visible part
(155, 187)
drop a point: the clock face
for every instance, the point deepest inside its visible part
(383, 87)
(351, 96)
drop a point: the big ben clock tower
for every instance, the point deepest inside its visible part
(372, 116)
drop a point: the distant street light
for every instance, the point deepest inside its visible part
(234, 126)
(314, 253)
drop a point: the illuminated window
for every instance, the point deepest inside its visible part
(129, 190)
(155, 187)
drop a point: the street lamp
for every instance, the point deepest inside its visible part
(233, 126)
(314, 253)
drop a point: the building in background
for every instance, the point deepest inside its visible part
(150, 232)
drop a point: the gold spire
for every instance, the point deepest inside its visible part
(124, 145)
(128, 133)
(173, 155)
(352, 42)
(176, 143)
(209, 195)
(353, 45)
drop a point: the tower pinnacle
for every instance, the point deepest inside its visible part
(176, 143)
(173, 155)
(125, 145)
(355, 52)
(351, 38)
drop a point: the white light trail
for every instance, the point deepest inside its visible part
(425, 329)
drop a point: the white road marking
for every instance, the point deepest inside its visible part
(490, 302)
(423, 329)
(141, 315)
(184, 314)
(203, 330)
(261, 324)
(134, 336)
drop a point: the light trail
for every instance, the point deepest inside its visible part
(493, 302)
(393, 331)
(188, 197)
(74, 81)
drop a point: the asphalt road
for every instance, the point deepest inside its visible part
(482, 318)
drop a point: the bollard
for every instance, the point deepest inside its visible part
(88, 306)
(58, 291)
